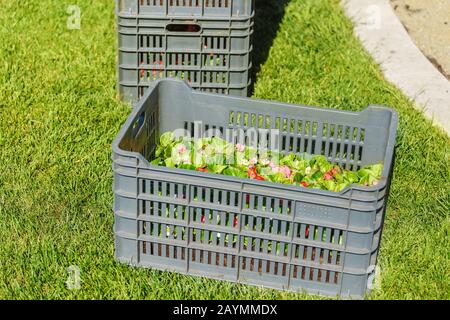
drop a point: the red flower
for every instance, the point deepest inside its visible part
(247, 199)
(142, 73)
(307, 232)
(235, 222)
(253, 174)
(334, 171)
(203, 219)
(203, 169)
(328, 176)
(304, 183)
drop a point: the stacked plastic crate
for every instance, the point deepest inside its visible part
(207, 43)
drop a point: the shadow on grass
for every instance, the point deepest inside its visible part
(268, 16)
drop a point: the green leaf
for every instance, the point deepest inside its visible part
(317, 175)
(278, 178)
(350, 176)
(300, 165)
(363, 173)
(168, 152)
(309, 180)
(298, 177)
(166, 139)
(373, 170)
(159, 151)
(288, 160)
(341, 186)
(187, 166)
(215, 159)
(330, 185)
(339, 177)
(170, 163)
(218, 168)
(156, 162)
(235, 172)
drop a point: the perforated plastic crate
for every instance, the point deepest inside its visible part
(286, 237)
(211, 54)
(223, 8)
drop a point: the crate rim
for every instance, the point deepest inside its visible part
(209, 17)
(144, 163)
(186, 17)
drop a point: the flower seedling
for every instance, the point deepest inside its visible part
(216, 156)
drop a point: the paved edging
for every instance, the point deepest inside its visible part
(402, 62)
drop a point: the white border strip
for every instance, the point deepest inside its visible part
(403, 64)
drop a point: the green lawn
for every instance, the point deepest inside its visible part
(59, 115)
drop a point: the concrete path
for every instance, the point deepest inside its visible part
(428, 24)
(403, 64)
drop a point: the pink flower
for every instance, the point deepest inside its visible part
(328, 176)
(286, 171)
(181, 148)
(275, 169)
(240, 147)
(272, 164)
(253, 161)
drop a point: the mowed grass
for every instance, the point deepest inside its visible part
(59, 115)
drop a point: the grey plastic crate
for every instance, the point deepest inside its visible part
(212, 54)
(190, 8)
(287, 237)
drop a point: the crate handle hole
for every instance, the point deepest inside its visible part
(183, 27)
(138, 125)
